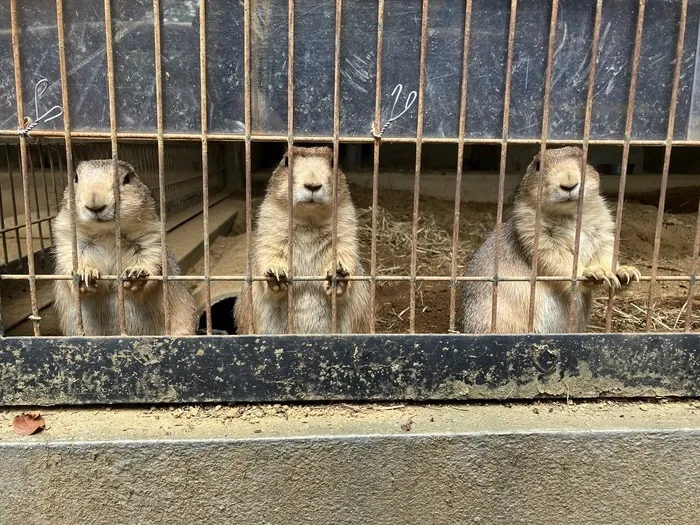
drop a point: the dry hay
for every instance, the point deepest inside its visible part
(434, 257)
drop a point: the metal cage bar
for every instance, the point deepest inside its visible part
(584, 161)
(158, 61)
(667, 160)
(626, 152)
(205, 157)
(336, 177)
(419, 151)
(460, 162)
(25, 169)
(248, 163)
(290, 162)
(377, 141)
(502, 167)
(115, 157)
(543, 148)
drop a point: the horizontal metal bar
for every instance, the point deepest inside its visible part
(129, 370)
(350, 139)
(22, 226)
(311, 278)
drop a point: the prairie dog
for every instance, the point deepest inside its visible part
(560, 192)
(313, 229)
(140, 256)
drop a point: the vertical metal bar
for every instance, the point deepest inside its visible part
(460, 162)
(336, 180)
(69, 180)
(46, 187)
(36, 202)
(158, 60)
(25, 169)
(13, 197)
(2, 227)
(584, 160)
(693, 276)
(625, 153)
(248, 176)
(56, 191)
(667, 162)
(115, 155)
(543, 148)
(290, 159)
(375, 168)
(419, 151)
(205, 155)
(502, 168)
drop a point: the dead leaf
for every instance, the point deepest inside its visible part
(407, 425)
(28, 424)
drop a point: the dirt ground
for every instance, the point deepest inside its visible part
(434, 249)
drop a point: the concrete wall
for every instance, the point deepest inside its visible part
(547, 474)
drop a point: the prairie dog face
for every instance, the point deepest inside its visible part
(312, 184)
(94, 192)
(561, 180)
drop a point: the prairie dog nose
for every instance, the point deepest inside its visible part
(313, 187)
(568, 188)
(96, 209)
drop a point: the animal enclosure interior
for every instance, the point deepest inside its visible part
(433, 118)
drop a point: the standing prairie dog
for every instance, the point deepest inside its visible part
(140, 257)
(312, 205)
(560, 193)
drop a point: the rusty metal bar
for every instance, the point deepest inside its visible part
(22, 226)
(25, 168)
(42, 168)
(317, 278)
(115, 156)
(290, 159)
(584, 160)
(543, 148)
(625, 153)
(205, 156)
(36, 202)
(419, 151)
(667, 161)
(158, 61)
(693, 276)
(375, 167)
(3, 235)
(13, 198)
(336, 179)
(138, 136)
(70, 169)
(56, 192)
(502, 169)
(248, 170)
(460, 162)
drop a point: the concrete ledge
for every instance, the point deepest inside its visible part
(455, 464)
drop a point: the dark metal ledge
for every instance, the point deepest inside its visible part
(79, 371)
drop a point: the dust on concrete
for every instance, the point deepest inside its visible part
(283, 420)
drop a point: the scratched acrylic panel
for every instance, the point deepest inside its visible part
(225, 62)
(86, 63)
(358, 67)
(180, 54)
(134, 64)
(8, 109)
(38, 57)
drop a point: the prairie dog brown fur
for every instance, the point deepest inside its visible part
(140, 256)
(560, 192)
(313, 229)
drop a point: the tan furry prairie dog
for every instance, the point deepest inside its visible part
(313, 182)
(560, 193)
(140, 257)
